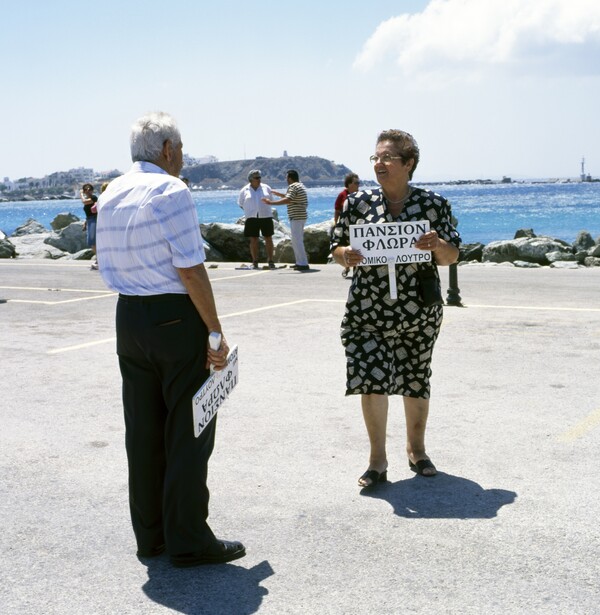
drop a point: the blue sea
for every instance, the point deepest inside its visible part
(485, 212)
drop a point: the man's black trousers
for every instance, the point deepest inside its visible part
(161, 343)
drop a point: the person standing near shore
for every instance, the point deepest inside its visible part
(389, 341)
(259, 217)
(89, 200)
(151, 252)
(296, 199)
(351, 184)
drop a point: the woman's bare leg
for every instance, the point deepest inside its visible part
(375, 412)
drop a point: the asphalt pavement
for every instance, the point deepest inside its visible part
(509, 525)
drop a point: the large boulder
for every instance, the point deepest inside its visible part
(69, 239)
(594, 251)
(557, 255)
(584, 241)
(317, 238)
(31, 227)
(7, 249)
(284, 252)
(63, 220)
(316, 243)
(212, 254)
(230, 243)
(33, 246)
(228, 239)
(82, 255)
(524, 232)
(532, 250)
(470, 252)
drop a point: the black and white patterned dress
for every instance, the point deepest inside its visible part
(389, 342)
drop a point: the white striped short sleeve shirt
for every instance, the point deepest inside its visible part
(147, 228)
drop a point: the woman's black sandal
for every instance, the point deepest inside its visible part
(374, 476)
(422, 464)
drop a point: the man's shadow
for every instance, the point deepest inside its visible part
(225, 588)
(441, 497)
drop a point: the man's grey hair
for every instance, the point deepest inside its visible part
(149, 133)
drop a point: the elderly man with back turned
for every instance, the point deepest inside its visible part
(150, 250)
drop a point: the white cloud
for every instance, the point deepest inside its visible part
(464, 39)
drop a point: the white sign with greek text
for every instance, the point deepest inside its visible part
(390, 242)
(214, 392)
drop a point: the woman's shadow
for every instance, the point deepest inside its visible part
(441, 497)
(206, 589)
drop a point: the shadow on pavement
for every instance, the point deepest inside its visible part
(225, 588)
(441, 497)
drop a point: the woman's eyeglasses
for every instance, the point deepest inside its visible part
(386, 158)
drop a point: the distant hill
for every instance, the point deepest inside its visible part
(313, 171)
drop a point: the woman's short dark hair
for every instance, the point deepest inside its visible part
(406, 144)
(293, 175)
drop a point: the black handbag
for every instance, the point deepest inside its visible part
(429, 287)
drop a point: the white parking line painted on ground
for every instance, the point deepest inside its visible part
(274, 306)
(63, 290)
(62, 302)
(222, 317)
(80, 346)
(263, 308)
(582, 428)
(98, 293)
(37, 264)
(240, 275)
(534, 308)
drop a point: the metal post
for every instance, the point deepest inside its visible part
(453, 297)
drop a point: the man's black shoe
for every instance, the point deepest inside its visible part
(302, 268)
(221, 552)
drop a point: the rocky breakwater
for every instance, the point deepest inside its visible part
(226, 242)
(222, 242)
(66, 239)
(529, 250)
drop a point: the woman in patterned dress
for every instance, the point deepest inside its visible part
(389, 342)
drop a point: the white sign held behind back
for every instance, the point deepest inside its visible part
(389, 242)
(214, 392)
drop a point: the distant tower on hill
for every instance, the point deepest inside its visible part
(583, 176)
(285, 154)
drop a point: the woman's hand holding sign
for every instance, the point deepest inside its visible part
(428, 241)
(351, 256)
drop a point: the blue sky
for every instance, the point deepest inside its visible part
(488, 88)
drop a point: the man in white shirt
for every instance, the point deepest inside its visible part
(150, 250)
(259, 216)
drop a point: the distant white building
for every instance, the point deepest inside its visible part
(9, 185)
(190, 161)
(81, 174)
